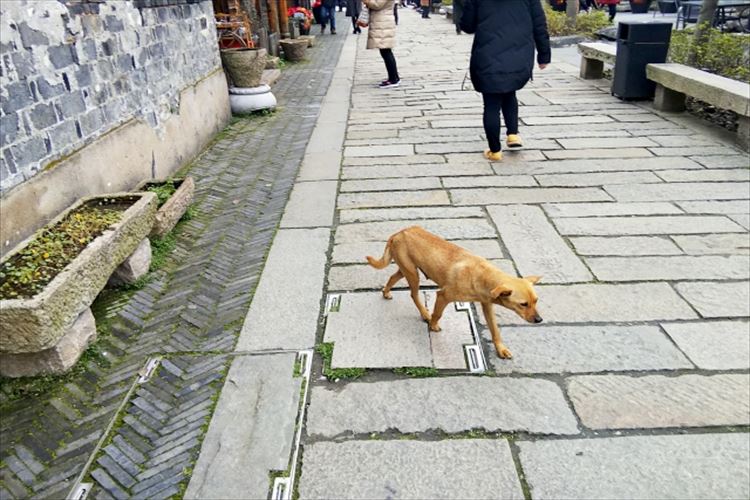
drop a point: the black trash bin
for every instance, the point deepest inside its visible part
(637, 45)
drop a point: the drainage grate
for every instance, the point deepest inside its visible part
(333, 303)
(282, 488)
(81, 492)
(474, 354)
(148, 370)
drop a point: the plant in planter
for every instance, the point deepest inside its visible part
(48, 282)
(174, 196)
(303, 16)
(245, 66)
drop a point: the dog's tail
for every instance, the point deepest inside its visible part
(384, 260)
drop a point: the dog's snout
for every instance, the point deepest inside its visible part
(538, 319)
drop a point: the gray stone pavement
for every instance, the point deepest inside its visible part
(636, 385)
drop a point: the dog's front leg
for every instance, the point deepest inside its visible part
(437, 312)
(489, 316)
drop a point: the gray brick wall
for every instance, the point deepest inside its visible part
(71, 70)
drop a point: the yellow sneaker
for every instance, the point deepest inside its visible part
(493, 156)
(514, 141)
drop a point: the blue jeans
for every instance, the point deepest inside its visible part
(329, 16)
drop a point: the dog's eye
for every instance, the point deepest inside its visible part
(524, 304)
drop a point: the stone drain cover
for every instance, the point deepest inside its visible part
(371, 332)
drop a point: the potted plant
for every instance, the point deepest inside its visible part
(174, 196)
(303, 16)
(48, 282)
(244, 65)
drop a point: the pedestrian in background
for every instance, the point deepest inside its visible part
(381, 35)
(353, 9)
(611, 5)
(425, 4)
(328, 14)
(458, 11)
(502, 60)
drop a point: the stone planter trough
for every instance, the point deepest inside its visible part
(294, 50)
(42, 334)
(169, 214)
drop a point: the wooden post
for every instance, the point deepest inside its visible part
(283, 20)
(273, 17)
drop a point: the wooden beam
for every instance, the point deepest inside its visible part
(273, 16)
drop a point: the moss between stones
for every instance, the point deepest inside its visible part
(326, 351)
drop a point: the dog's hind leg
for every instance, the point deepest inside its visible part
(412, 277)
(391, 281)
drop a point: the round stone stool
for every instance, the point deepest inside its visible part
(248, 99)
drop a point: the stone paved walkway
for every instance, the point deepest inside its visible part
(636, 384)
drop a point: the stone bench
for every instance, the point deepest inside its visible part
(593, 57)
(676, 81)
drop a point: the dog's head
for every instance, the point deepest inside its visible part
(517, 294)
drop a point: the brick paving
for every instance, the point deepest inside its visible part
(191, 312)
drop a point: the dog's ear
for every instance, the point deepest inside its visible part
(532, 279)
(500, 291)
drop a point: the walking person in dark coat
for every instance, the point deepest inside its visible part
(502, 60)
(353, 9)
(328, 12)
(458, 10)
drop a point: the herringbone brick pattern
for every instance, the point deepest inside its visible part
(195, 304)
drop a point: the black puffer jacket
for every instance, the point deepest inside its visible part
(502, 57)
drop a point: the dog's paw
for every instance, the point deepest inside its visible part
(387, 295)
(503, 352)
(435, 328)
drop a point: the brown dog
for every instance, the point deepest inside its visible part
(461, 275)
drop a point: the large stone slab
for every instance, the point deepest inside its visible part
(449, 229)
(489, 181)
(371, 332)
(565, 120)
(495, 196)
(410, 469)
(566, 154)
(577, 349)
(715, 207)
(134, 267)
(393, 199)
(615, 142)
(678, 467)
(718, 299)
(408, 214)
(535, 246)
(605, 303)
(391, 184)
(453, 404)
(616, 226)
(390, 171)
(311, 204)
(656, 401)
(624, 245)
(669, 268)
(596, 179)
(609, 209)
(285, 307)
(720, 175)
(714, 244)
(714, 345)
(355, 253)
(680, 191)
(368, 151)
(251, 431)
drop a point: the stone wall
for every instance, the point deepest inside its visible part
(72, 70)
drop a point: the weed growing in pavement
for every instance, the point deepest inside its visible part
(326, 352)
(416, 371)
